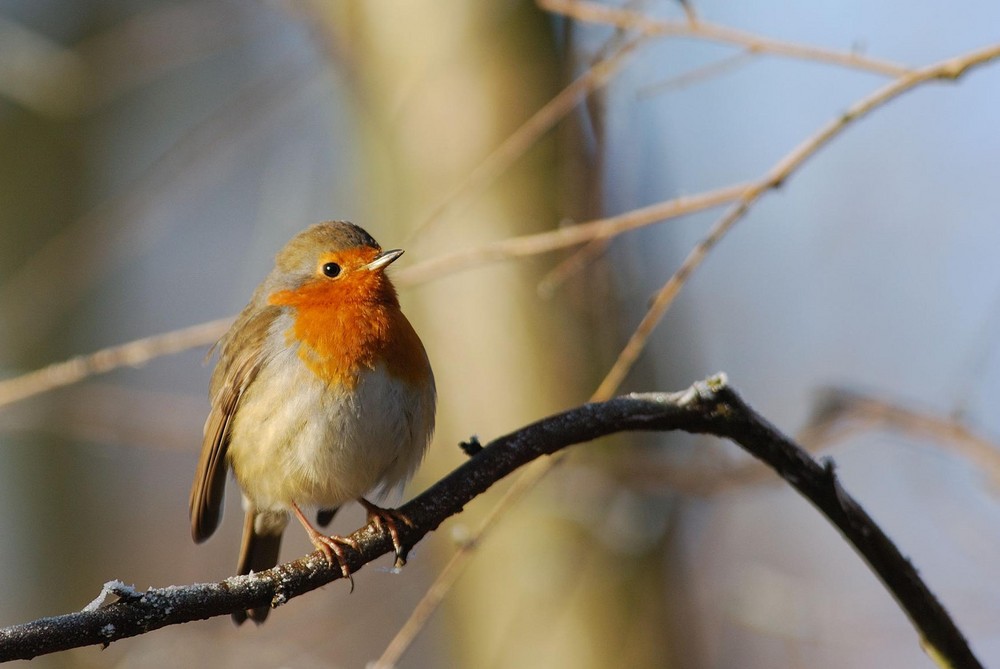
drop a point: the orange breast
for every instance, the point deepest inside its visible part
(340, 338)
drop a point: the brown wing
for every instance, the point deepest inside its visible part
(237, 367)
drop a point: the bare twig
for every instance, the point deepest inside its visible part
(697, 74)
(709, 407)
(567, 236)
(747, 195)
(576, 262)
(528, 134)
(843, 412)
(949, 69)
(142, 350)
(625, 19)
(132, 354)
(838, 416)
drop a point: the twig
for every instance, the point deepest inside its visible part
(422, 612)
(949, 69)
(528, 134)
(455, 567)
(843, 412)
(748, 194)
(76, 369)
(567, 236)
(625, 19)
(581, 258)
(839, 415)
(956, 68)
(709, 407)
(697, 74)
(132, 354)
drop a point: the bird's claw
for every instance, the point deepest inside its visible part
(387, 520)
(333, 548)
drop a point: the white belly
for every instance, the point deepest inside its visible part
(294, 439)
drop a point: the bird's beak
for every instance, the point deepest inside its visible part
(384, 259)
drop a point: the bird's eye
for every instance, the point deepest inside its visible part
(331, 269)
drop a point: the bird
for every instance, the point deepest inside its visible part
(323, 393)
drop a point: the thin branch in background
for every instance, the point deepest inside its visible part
(528, 135)
(566, 236)
(575, 263)
(666, 295)
(32, 383)
(545, 242)
(108, 416)
(838, 416)
(624, 19)
(697, 75)
(709, 407)
(133, 354)
(946, 70)
(746, 195)
(455, 567)
(843, 413)
(422, 612)
(503, 249)
(445, 581)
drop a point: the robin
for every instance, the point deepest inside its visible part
(322, 394)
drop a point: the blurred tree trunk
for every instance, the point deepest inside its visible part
(441, 85)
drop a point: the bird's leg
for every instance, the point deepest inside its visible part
(386, 519)
(332, 546)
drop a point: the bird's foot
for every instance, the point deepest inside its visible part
(331, 546)
(387, 520)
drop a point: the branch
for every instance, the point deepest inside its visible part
(742, 196)
(569, 236)
(696, 75)
(132, 354)
(528, 133)
(708, 407)
(625, 19)
(141, 351)
(950, 69)
(843, 412)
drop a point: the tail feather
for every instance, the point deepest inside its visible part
(258, 552)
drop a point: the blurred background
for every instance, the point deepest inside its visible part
(155, 155)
